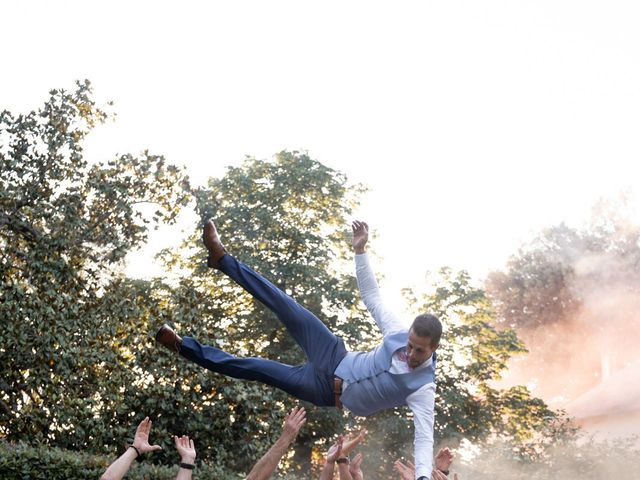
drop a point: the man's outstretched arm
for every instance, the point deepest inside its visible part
(267, 465)
(387, 321)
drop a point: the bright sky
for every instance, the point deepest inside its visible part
(474, 123)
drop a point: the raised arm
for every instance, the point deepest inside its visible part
(330, 461)
(118, 469)
(267, 465)
(187, 451)
(387, 320)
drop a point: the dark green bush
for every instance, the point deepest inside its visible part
(24, 462)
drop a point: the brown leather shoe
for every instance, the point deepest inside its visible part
(212, 241)
(168, 338)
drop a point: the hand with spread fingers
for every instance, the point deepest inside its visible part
(187, 451)
(293, 422)
(267, 465)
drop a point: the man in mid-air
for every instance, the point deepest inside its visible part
(399, 371)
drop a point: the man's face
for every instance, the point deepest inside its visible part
(419, 349)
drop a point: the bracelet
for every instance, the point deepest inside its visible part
(188, 466)
(137, 451)
(343, 460)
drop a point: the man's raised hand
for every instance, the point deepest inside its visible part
(141, 439)
(354, 467)
(335, 451)
(293, 423)
(444, 458)
(407, 472)
(352, 441)
(186, 449)
(360, 235)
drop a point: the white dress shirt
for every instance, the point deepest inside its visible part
(421, 402)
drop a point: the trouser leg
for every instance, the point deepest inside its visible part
(324, 349)
(302, 381)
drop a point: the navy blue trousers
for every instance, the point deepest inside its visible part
(312, 381)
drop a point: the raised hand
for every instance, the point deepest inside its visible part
(141, 439)
(293, 423)
(407, 472)
(352, 441)
(186, 449)
(360, 235)
(335, 451)
(354, 467)
(444, 458)
(438, 475)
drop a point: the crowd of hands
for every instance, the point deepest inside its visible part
(338, 454)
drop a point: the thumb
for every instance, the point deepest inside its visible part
(155, 447)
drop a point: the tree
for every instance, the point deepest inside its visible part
(65, 227)
(574, 292)
(78, 361)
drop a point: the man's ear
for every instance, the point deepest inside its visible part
(436, 347)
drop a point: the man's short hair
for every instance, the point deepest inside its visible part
(427, 325)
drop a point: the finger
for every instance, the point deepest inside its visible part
(192, 445)
(455, 476)
(155, 447)
(140, 427)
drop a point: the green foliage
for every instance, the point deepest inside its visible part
(78, 361)
(66, 313)
(21, 461)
